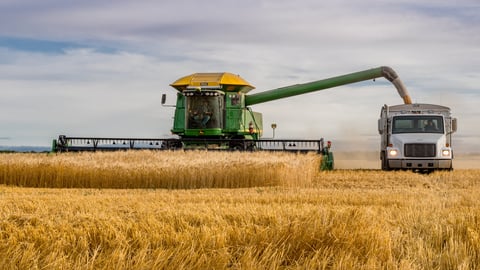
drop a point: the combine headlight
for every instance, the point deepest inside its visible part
(446, 152)
(393, 152)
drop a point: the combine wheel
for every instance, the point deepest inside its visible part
(242, 145)
(237, 146)
(172, 145)
(251, 146)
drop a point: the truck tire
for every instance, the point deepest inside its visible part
(384, 161)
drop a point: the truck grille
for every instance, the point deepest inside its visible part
(420, 150)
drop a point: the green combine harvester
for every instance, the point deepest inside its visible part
(213, 112)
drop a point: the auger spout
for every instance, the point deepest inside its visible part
(299, 89)
(390, 74)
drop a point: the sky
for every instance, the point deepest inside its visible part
(99, 68)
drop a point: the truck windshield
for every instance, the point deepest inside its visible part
(417, 124)
(204, 110)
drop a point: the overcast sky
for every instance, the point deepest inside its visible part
(99, 68)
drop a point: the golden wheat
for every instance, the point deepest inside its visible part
(149, 169)
(349, 219)
(424, 222)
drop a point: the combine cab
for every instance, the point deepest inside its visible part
(212, 105)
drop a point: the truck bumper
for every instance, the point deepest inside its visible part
(420, 164)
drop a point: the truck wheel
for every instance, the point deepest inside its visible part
(385, 166)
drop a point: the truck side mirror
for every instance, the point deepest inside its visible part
(381, 125)
(164, 99)
(454, 124)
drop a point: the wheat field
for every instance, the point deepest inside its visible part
(294, 218)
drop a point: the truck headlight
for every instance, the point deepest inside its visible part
(446, 152)
(393, 152)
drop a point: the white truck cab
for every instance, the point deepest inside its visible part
(416, 137)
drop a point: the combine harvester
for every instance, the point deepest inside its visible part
(213, 112)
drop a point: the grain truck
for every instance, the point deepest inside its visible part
(416, 137)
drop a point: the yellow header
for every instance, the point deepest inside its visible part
(226, 81)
